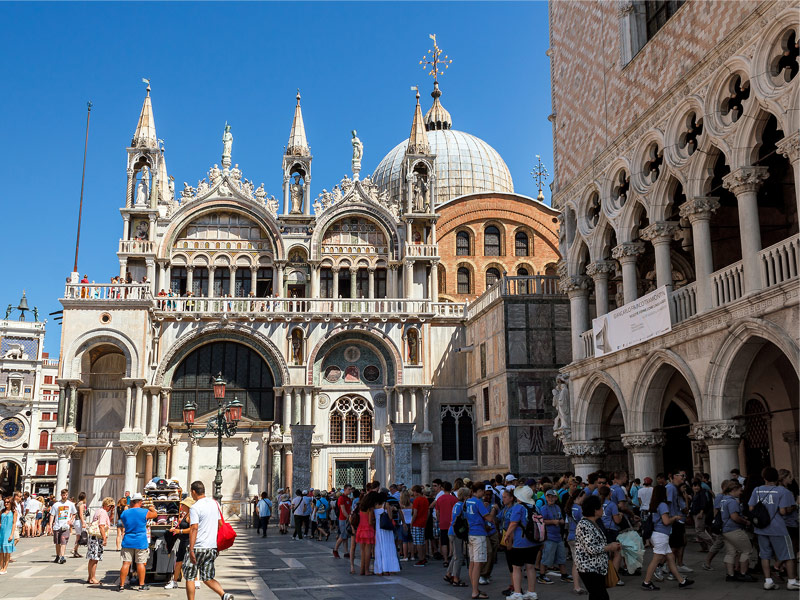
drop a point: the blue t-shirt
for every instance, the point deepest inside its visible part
(519, 515)
(476, 510)
(635, 495)
(264, 507)
(728, 506)
(134, 520)
(577, 513)
(658, 523)
(618, 494)
(322, 508)
(505, 517)
(457, 508)
(549, 513)
(674, 500)
(773, 498)
(609, 510)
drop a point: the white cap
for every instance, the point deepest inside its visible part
(136, 496)
(510, 477)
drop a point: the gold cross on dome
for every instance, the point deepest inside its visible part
(432, 61)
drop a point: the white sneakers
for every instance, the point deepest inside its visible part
(197, 584)
(483, 581)
(171, 585)
(771, 585)
(685, 569)
(793, 585)
(530, 596)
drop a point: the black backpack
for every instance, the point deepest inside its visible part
(716, 523)
(647, 527)
(760, 515)
(461, 526)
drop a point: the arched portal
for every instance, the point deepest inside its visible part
(10, 477)
(605, 421)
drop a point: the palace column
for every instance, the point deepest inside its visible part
(789, 147)
(391, 281)
(232, 280)
(137, 407)
(128, 404)
(413, 400)
(264, 461)
(130, 449)
(279, 267)
(744, 183)
(426, 396)
(434, 289)
(371, 271)
(408, 278)
(599, 271)
(62, 472)
(586, 456)
(627, 253)
(211, 270)
(287, 409)
(148, 462)
(353, 282)
(577, 289)
(155, 410)
(723, 438)
(314, 279)
(401, 452)
(61, 416)
(253, 279)
(244, 469)
(793, 440)
(306, 406)
(645, 447)
(164, 407)
(73, 406)
(275, 453)
(698, 211)
(660, 234)
(161, 462)
(189, 278)
(301, 456)
(400, 406)
(297, 409)
(335, 271)
(425, 463)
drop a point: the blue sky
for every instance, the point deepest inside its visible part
(238, 62)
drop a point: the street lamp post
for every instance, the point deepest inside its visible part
(223, 425)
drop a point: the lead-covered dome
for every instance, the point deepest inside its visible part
(464, 165)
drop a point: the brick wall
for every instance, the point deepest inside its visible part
(595, 97)
(509, 213)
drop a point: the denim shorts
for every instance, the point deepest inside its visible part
(554, 553)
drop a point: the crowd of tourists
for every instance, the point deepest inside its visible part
(589, 534)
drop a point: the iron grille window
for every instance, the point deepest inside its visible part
(491, 241)
(243, 283)
(351, 428)
(521, 244)
(248, 378)
(463, 280)
(351, 421)
(457, 433)
(486, 404)
(658, 12)
(462, 243)
(336, 428)
(492, 275)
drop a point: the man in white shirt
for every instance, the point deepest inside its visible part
(645, 494)
(62, 514)
(31, 506)
(204, 520)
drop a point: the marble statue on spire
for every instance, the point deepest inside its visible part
(358, 153)
(227, 144)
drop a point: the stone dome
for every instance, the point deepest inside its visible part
(464, 165)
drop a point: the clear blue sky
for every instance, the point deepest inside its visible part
(240, 62)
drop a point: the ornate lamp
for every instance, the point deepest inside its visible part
(219, 388)
(233, 412)
(189, 410)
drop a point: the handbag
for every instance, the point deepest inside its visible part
(225, 533)
(83, 539)
(611, 575)
(386, 522)
(94, 529)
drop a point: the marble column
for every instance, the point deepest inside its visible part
(315, 280)
(244, 469)
(161, 462)
(152, 429)
(137, 407)
(301, 456)
(577, 289)
(599, 271)
(297, 408)
(792, 439)
(335, 271)
(264, 462)
(148, 462)
(699, 211)
(400, 406)
(353, 282)
(413, 402)
(371, 272)
(164, 407)
(391, 281)
(287, 409)
(62, 469)
(276, 468)
(426, 396)
(307, 406)
(661, 234)
(130, 449)
(189, 278)
(61, 417)
(408, 278)
(279, 267)
(789, 147)
(586, 456)
(211, 270)
(645, 447)
(401, 434)
(317, 477)
(627, 253)
(425, 463)
(744, 183)
(72, 411)
(253, 279)
(722, 438)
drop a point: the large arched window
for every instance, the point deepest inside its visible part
(44, 440)
(248, 378)
(492, 275)
(462, 243)
(463, 280)
(521, 244)
(457, 434)
(491, 241)
(351, 421)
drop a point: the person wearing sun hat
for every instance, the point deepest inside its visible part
(522, 551)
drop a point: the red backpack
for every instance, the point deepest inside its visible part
(225, 533)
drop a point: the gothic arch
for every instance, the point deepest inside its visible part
(218, 333)
(378, 340)
(647, 401)
(94, 337)
(725, 378)
(588, 404)
(352, 207)
(578, 257)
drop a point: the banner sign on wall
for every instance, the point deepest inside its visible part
(632, 323)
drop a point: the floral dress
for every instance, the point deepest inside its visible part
(590, 544)
(95, 545)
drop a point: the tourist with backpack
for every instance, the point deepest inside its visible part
(478, 517)
(768, 504)
(522, 549)
(554, 553)
(714, 526)
(574, 515)
(458, 534)
(733, 532)
(591, 549)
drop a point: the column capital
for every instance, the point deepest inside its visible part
(130, 448)
(699, 208)
(718, 432)
(600, 269)
(575, 284)
(745, 179)
(246, 441)
(627, 251)
(660, 232)
(790, 147)
(643, 441)
(64, 450)
(353, 269)
(589, 451)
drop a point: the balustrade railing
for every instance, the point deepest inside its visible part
(448, 309)
(684, 302)
(137, 246)
(727, 284)
(780, 262)
(107, 291)
(523, 285)
(587, 337)
(422, 250)
(257, 306)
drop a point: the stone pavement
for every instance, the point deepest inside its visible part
(278, 568)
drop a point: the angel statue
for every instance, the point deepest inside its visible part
(561, 403)
(358, 153)
(227, 145)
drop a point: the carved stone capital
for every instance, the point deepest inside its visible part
(575, 284)
(660, 232)
(245, 441)
(745, 179)
(130, 448)
(699, 208)
(600, 269)
(790, 147)
(315, 452)
(585, 450)
(624, 8)
(714, 432)
(642, 441)
(699, 447)
(627, 250)
(64, 451)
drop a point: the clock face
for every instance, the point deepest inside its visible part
(11, 429)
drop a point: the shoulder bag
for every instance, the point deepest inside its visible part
(225, 533)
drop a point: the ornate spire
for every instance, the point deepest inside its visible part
(437, 117)
(298, 145)
(163, 179)
(145, 135)
(418, 140)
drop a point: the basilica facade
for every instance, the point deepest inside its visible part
(322, 313)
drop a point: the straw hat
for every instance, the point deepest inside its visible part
(524, 494)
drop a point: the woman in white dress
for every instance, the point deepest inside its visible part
(386, 561)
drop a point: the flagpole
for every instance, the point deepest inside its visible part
(83, 177)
